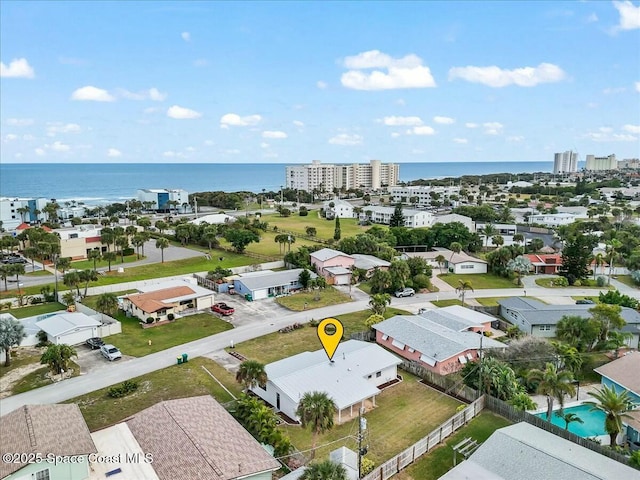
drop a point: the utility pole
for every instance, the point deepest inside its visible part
(195, 205)
(362, 427)
(480, 366)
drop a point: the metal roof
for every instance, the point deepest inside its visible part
(337, 270)
(62, 323)
(328, 253)
(367, 262)
(271, 279)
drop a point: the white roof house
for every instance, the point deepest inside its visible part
(214, 219)
(412, 218)
(340, 209)
(351, 379)
(267, 283)
(525, 452)
(70, 328)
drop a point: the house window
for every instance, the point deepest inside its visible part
(545, 328)
(466, 267)
(369, 376)
(43, 475)
(378, 374)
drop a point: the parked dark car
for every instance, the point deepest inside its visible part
(13, 260)
(584, 301)
(95, 342)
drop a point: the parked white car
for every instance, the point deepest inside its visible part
(110, 352)
(405, 292)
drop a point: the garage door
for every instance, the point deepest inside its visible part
(74, 338)
(260, 294)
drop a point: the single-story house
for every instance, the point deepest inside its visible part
(540, 320)
(351, 379)
(70, 328)
(333, 265)
(545, 263)
(456, 217)
(172, 297)
(454, 262)
(341, 456)
(265, 283)
(441, 341)
(505, 230)
(57, 429)
(214, 219)
(523, 451)
(369, 263)
(187, 438)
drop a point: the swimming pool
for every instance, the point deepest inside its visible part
(593, 421)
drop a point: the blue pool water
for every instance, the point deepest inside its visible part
(593, 421)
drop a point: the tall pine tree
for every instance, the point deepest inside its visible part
(397, 219)
(337, 233)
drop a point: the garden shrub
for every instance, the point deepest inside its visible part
(601, 281)
(128, 251)
(577, 283)
(635, 276)
(122, 390)
(367, 465)
(150, 319)
(171, 316)
(43, 340)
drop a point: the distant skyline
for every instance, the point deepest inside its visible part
(340, 82)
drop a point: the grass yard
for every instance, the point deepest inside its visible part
(447, 303)
(405, 413)
(268, 246)
(627, 280)
(439, 461)
(308, 300)
(39, 273)
(277, 346)
(325, 228)
(19, 358)
(33, 310)
(549, 282)
(178, 381)
(490, 301)
(39, 379)
(595, 299)
(478, 280)
(365, 287)
(88, 264)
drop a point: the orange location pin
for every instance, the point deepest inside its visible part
(330, 332)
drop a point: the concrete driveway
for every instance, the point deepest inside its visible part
(248, 313)
(92, 361)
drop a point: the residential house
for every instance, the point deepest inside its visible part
(187, 438)
(506, 231)
(412, 218)
(160, 300)
(440, 340)
(37, 431)
(545, 263)
(461, 263)
(214, 219)
(265, 283)
(340, 209)
(525, 452)
(455, 217)
(540, 320)
(71, 328)
(351, 379)
(554, 219)
(333, 265)
(369, 263)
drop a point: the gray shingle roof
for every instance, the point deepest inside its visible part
(624, 371)
(367, 262)
(44, 429)
(432, 339)
(196, 438)
(327, 253)
(525, 452)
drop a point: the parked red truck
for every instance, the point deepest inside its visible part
(223, 309)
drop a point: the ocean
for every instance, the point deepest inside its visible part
(96, 183)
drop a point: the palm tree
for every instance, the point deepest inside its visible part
(94, 255)
(378, 303)
(441, 260)
(251, 374)
(487, 231)
(72, 280)
(518, 238)
(5, 272)
(614, 405)
(455, 247)
(325, 470)
(109, 257)
(107, 303)
(162, 243)
(554, 384)
(612, 246)
(17, 269)
(497, 240)
(568, 418)
(463, 286)
(58, 357)
(87, 276)
(210, 235)
(316, 410)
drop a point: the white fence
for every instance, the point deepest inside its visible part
(426, 444)
(110, 326)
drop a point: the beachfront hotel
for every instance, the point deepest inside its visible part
(325, 177)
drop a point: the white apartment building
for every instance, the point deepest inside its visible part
(423, 194)
(326, 177)
(566, 162)
(595, 164)
(10, 215)
(162, 196)
(412, 218)
(340, 209)
(633, 163)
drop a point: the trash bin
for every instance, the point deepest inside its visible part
(179, 359)
(184, 358)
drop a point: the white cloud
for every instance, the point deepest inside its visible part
(114, 153)
(151, 94)
(497, 77)
(322, 85)
(93, 94)
(461, 140)
(201, 62)
(150, 110)
(17, 68)
(234, 120)
(629, 15)
(422, 130)
(186, 36)
(10, 137)
(592, 18)
(28, 137)
(182, 113)
(346, 139)
(605, 129)
(401, 102)
(605, 134)
(395, 135)
(471, 125)
(613, 90)
(156, 95)
(515, 138)
(58, 147)
(444, 120)
(40, 152)
(20, 122)
(190, 149)
(209, 143)
(402, 121)
(232, 151)
(637, 85)
(631, 128)
(405, 72)
(492, 128)
(298, 123)
(273, 134)
(264, 145)
(55, 128)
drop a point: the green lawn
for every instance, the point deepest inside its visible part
(88, 264)
(549, 282)
(39, 379)
(490, 301)
(595, 299)
(627, 280)
(177, 381)
(479, 280)
(308, 300)
(439, 461)
(268, 246)
(325, 228)
(19, 358)
(32, 311)
(277, 346)
(447, 303)
(365, 287)
(405, 413)
(39, 273)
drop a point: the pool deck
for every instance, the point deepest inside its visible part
(583, 396)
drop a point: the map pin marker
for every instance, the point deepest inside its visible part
(330, 333)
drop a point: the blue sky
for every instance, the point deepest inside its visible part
(289, 82)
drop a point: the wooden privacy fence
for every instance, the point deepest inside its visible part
(426, 444)
(445, 384)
